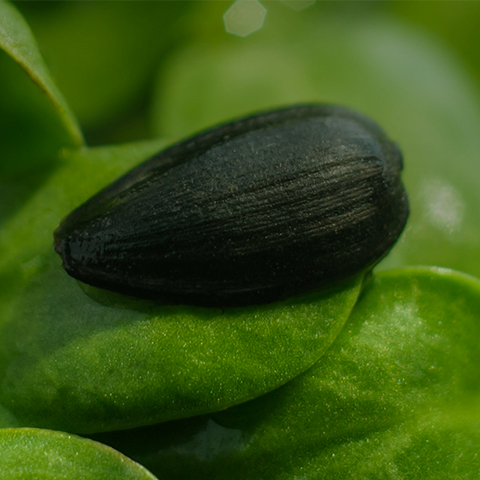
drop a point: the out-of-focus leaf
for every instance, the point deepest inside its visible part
(396, 396)
(35, 120)
(80, 359)
(28, 453)
(454, 22)
(7, 420)
(104, 55)
(396, 74)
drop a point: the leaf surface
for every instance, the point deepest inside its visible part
(395, 397)
(45, 454)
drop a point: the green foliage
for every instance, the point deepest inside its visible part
(103, 54)
(33, 107)
(374, 379)
(402, 376)
(44, 455)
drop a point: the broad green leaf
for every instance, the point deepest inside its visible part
(395, 397)
(29, 453)
(79, 359)
(35, 120)
(410, 84)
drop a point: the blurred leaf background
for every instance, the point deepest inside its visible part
(105, 55)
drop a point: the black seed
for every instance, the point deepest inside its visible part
(249, 212)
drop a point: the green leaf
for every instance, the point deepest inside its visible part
(408, 82)
(35, 120)
(44, 455)
(396, 396)
(80, 359)
(103, 55)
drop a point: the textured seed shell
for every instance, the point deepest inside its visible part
(249, 212)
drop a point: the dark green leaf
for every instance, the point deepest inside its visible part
(103, 56)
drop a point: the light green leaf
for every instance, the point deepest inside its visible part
(79, 359)
(35, 120)
(28, 453)
(397, 396)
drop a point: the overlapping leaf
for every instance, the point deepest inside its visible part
(396, 396)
